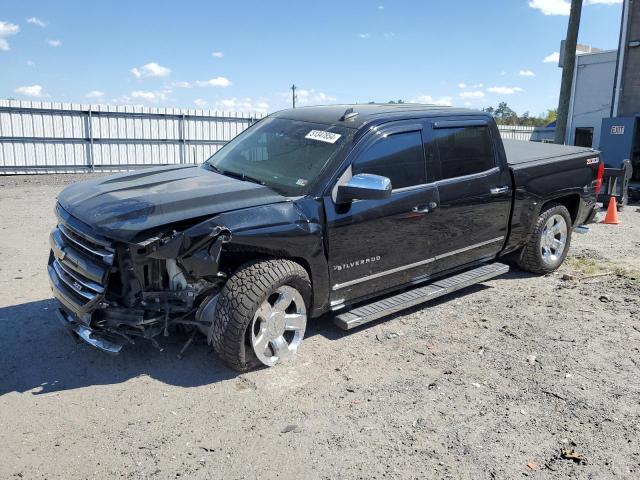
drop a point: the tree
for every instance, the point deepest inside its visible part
(505, 115)
(551, 116)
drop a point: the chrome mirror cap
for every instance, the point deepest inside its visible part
(365, 186)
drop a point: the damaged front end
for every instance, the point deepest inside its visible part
(114, 292)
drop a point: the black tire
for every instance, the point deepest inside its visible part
(239, 299)
(531, 258)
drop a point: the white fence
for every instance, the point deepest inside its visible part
(59, 137)
(508, 132)
(40, 137)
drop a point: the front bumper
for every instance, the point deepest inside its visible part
(79, 265)
(80, 331)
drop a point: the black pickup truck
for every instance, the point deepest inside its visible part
(362, 210)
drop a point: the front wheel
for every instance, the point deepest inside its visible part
(549, 244)
(261, 314)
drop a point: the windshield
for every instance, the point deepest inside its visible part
(286, 155)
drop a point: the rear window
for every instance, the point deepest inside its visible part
(464, 151)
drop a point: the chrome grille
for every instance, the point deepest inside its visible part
(86, 245)
(79, 264)
(80, 285)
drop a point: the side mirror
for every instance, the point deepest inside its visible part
(364, 186)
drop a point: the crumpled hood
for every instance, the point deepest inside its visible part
(122, 206)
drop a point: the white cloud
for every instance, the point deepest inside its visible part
(6, 30)
(217, 54)
(365, 35)
(245, 104)
(505, 90)
(181, 85)
(36, 21)
(150, 96)
(31, 63)
(551, 7)
(474, 85)
(151, 69)
(313, 97)
(428, 99)
(552, 58)
(54, 43)
(30, 91)
(472, 94)
(527, 73)
(200, 102)
(213, 82)
(95, 94)
(562, 7)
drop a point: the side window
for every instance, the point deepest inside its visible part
(464, 151)
(398, 157)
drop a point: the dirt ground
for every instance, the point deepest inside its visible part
(494, 382)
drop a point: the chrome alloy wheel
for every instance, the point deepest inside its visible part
(278, 326)
(554, 239)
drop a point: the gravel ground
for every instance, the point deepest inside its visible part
(495, 382)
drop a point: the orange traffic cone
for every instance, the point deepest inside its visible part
(612, 212)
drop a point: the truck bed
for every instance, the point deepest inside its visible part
(521, 153)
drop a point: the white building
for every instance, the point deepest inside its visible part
(591, 97)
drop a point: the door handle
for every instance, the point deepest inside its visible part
(499, 190)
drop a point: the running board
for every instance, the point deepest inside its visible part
(387, 306)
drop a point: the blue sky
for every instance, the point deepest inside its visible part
(245, 55)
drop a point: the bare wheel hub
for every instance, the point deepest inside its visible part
(278, 326)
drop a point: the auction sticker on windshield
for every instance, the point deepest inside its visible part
(323, 136)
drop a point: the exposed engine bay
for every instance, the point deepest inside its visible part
(120, 292)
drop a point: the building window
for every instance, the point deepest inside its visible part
(583, 137)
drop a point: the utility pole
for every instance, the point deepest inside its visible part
(293, 95)
(568, 67)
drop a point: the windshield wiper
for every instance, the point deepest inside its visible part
(228, 173)
(243, 177)
(213, 168)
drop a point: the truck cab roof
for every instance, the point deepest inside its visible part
(356, 115)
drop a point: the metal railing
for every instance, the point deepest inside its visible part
(47, 137)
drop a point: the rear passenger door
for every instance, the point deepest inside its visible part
(475, 193)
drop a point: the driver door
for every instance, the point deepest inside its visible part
(376, 245)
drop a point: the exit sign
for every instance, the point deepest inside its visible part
(617, 130)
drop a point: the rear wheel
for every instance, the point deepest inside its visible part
(549, 244)
(261, 314)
